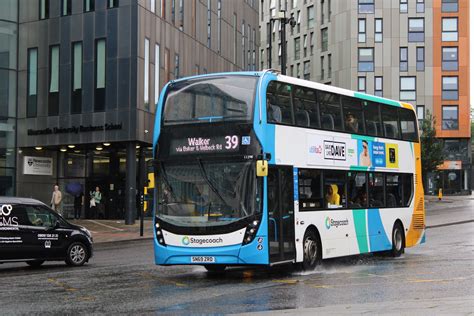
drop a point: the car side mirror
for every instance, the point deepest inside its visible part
(262, 168)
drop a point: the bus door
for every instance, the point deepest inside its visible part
(281, 226)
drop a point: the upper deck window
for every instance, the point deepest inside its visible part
(223, 98)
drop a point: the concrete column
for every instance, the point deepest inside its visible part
(131, 184)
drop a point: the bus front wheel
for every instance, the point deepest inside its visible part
(311, 250)
(215, 267)
(398, 240)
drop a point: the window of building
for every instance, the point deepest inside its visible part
(219, 25)
(163, 9)
(176, 66)
(307, 70)
(146, 74)
(450, 88)
(449, 5)
(416, 29)
(378, 87)
(362, 31)
(89, 5)
(157, 74)
(305, 45)
(32, 97)
(294, 4)
(234, 24)
(366, 6)
(403, 58)
(292, 70)
(408, 88)
(449, 30)
(329, 11)
(291, 28)
(298, 21)
(321, 67)
(297, 48)
(322, 11)
(298, 70)
(450, 117)
(378, 30)
(324, 39)
(373, 121)
(420, 6)
(43, 9)
(242, 43)
(362, 84)
(76, 95)
(330, 111)
(112, 4)
(209, 23)
(311, 43)
(420, 59)
(366, 59)
(403, 6)
(390, 121)
(310, 17)
(181, 13)
(279, 54)
(152, 6)
(65, 7)
(99, 97)
(53, 90)
(173, 11)
(420, 114)
(329, 65)
(450, 58)
(167, 65)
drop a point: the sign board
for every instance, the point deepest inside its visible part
(214, 144)
(451, 165)
(39, 166)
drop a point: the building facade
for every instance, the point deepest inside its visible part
(416, 51)
(89, 75)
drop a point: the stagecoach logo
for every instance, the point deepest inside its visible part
(334, 150)
(329, 222)
(185, 240)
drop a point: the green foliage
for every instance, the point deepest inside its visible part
(431, 147)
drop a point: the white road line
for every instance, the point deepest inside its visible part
(111, 227)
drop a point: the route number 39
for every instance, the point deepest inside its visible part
(231, 142)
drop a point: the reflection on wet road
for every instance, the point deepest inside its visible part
(123, 278)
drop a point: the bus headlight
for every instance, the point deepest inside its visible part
(250, 232)
(159, 234)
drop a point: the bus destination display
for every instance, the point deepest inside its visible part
(196, 145)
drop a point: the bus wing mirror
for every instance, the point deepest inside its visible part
(262, 168)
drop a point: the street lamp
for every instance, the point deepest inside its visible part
(281, 16)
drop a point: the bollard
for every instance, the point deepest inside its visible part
(440, 194)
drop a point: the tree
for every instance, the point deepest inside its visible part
(431, 147)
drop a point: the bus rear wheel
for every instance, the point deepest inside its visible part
(311, 250)
(398, 240)
(215, 267)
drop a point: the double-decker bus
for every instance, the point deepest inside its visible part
(257, 168)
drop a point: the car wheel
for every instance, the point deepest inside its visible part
(76, 254)
(215, 267)
(398, 240)
(311, 250)
(35, 263)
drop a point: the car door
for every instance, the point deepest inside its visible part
(46, 239)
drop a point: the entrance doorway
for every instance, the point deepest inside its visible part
(281, 226)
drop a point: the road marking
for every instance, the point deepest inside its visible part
(108, 226)
(151, 276)
(61, 284)
(286, 281)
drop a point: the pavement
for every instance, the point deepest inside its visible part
(449, 210)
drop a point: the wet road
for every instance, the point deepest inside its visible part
(122, 278)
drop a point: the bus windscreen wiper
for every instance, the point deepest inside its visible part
(165, 178)
(213, 188)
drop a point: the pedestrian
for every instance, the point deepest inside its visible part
(56, 200)
(96, 198)
(78, 202)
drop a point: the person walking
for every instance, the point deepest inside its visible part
(56, 200)
(96, 207)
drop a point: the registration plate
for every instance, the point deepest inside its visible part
(203, 259)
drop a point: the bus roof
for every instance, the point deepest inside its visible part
(305, 83)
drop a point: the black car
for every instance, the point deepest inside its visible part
(30, 231)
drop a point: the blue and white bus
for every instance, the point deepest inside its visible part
(257, 168)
